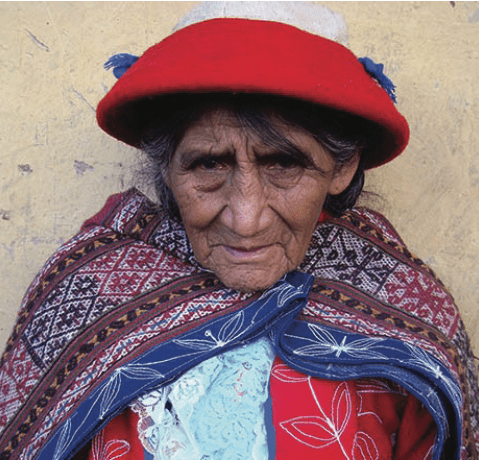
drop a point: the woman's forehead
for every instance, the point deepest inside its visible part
(219, 128)
(261, 125)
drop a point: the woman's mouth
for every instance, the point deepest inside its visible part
(242, 252)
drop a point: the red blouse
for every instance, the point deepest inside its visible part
(363, 419)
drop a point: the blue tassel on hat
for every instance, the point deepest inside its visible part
(377, 72)
(120, 63)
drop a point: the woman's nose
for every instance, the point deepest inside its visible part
(247, 212)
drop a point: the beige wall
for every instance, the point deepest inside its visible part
(57, 167)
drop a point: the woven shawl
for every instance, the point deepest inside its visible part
(123, 308)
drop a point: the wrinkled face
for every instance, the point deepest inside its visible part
(249, 210)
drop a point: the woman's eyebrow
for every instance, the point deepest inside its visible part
(188, 156)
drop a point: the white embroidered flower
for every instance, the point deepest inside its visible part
(324, 343)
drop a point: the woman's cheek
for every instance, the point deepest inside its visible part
(198, 209)
(304, 204)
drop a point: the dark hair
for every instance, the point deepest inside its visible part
(166, 120)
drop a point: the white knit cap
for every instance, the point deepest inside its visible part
(316, 19)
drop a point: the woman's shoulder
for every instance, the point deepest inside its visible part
(364, 217)
(111, 259)
(122, 211)
(361, 236)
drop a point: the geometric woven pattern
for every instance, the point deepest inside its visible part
(90, 292)
(337, 254)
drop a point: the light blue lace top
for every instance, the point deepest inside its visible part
(219, 410)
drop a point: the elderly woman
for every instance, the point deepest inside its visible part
(254, 315)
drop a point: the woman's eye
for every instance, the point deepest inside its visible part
(286, 163)
(207, 163)
(283, 171)
(208, 172)
(283, 162)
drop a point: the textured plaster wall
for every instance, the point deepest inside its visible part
(57, 167)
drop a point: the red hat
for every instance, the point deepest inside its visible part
(254, 56)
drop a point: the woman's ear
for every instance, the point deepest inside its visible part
(343, 176)
(166, 176)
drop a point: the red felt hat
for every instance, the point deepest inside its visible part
(254, 56)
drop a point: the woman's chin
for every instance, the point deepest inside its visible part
(250, 281)
(252, 270)
(247, 287)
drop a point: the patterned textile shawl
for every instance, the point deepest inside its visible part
(123, 308)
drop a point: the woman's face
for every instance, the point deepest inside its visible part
(249, 210)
